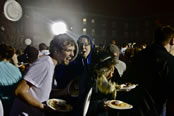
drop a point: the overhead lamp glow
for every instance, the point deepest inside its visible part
(59, 28)
(28, 41)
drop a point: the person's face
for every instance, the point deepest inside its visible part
(111, 72)
(115, 54)
(84, 47)
(66, 55)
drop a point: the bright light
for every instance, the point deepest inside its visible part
(84, 29)
(84, 19)
(59, 28)
(28, 41)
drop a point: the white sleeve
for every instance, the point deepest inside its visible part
(37, 73)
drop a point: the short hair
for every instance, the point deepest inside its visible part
(164, 34)
(31, 54)
(43, 46)
(59, 42)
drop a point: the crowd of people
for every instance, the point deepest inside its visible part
(68, 69)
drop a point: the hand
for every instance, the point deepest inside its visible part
(117, 86)
(46, 108)
(106, 104)
(127, 90)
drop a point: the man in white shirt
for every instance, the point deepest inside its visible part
(43, 50)
(36, 85)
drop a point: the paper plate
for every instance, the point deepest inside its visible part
(119, 105)
(59, 105)
(12, 10)
(87, 102)
(128, 87)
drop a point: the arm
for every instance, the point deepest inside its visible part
(65, 91)
(22, 92)
(15, 60)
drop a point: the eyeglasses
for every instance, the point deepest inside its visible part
(84, 44)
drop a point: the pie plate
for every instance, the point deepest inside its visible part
(12, 10)
(59, 105)
(120, 105)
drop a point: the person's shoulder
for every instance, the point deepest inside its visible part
(43, 59)
(170, 58)
(11, 69)
(10, 66)
(121, 62)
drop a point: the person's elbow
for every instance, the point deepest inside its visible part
(22, 88)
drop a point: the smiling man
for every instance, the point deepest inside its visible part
(36, 85)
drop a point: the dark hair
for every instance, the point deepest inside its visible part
(83, 36)
(59, 42)
(106, 62)
(31, 53)
(164, 34)
(43, 46)
(19, 52)
(102, 60)
(6, 52)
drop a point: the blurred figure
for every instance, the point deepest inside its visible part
(15, 59)
(153, 70)
(113, 42)
(29, 56)
(26, 59)
(99, 78)
(114, 51)
(9, 77)
(36, 85)
(43, 49)
(19, 52)
(124, 48)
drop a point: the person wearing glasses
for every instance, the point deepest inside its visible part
(66, 75)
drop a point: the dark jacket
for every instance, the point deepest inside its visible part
(153, 70)
(64, 74)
